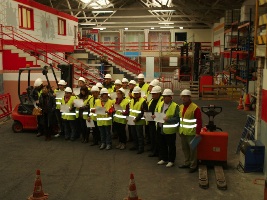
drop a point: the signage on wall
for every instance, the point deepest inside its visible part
(93, 31)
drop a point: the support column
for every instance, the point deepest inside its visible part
(146, 32)
(261, 63)
(1, 65)
(121, 35)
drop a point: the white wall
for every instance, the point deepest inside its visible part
(194, 35)
(45, 24)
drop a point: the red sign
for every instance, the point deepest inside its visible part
(95, 31)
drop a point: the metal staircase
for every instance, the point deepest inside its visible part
(121, 62)
(24, 44)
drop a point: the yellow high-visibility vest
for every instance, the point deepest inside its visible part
(135, 109)
(104, 120)
(118, 116)
(188, 123)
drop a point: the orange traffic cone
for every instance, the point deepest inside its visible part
(240, 105)
(247, 103)
(132, 190)
(38, 193)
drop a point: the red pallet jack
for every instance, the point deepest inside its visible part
(212, 150)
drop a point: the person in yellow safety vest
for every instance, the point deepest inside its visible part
(108, 84)
(148, 97)
(104, 121)
(61, 87)
(167, 130)
(119, 118)
(68, 114)
(132, 84)
(190, 126)
(152, 105)
(82, 114)
(34, 97)
(137, 108)
(92, 116)
(142, 84)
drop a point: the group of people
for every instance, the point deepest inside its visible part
(114, 107)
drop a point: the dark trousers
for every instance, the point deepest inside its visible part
(105, 132)
(120, 129)
(70, 129)
(130, 133)
(40, 126)
(47, 128)
(153, 138)
(83, 129)
(138, 136)
(147, 134)
(59, 121)
(167, 146)
(96, 133)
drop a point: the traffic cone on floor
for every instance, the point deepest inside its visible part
(240, 105)
(247, 103)
(38, 193)
(132, 195)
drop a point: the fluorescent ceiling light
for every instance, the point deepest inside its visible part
(85, 24)
(125, 28)
(102, 11)
(181, 27)
(163, 10)
(167, 27)
(100, 28)
(166, 23)
(152, 28)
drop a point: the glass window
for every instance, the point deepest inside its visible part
(61, 26)
(26, 18)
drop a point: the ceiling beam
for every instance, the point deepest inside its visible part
(150, 22)
(137, 16)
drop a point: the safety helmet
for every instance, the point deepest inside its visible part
(167, 92)
(38, 82)
(122, 90)
(132, 82)
(107, 76)
(124, 80)
(117, 82)
(68, 89)
(136, 90)
(82, 79)
(99, 85)
(154, 83)
(186, 92)
(94, 89)
(156, 89)
(62, 82)
(140, 76)
(104, 91)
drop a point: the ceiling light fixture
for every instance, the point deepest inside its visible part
(85, 24)
(181, 27)
(125, 28)
(152, 28)
(166, 27)
(163, 10)
(102, 11)
(166, 23)
(99, 28)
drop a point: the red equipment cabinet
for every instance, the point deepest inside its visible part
(213, 146)
(205, 80)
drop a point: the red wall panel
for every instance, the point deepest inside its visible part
(11, 61)
(264, 105)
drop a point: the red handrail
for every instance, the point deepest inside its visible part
(30, 45)
(5, 105)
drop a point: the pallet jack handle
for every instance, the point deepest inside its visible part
(211, 111)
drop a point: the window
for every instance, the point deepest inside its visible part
(26, 18)
(61, 26)
(181, 36)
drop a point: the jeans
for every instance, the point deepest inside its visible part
(138, 136)
(120, 129)
(105, 134)
(70, 129)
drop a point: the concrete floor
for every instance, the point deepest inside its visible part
(76, 171)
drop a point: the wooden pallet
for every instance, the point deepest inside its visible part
(221, 92)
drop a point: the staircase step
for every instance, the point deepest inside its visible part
(9, 47)
(30, 58)
(23, 54)
(19, 51)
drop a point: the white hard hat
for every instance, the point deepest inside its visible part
(156, 89)
(117, 82)
(104, 91)
(68, 89)
(82, 79)
(186, 92)
(154, 83)
(99, 85)
(132, 82)
(107, 76)
(124, 80)
(94, 89)
(38, 82)
(136, 90)
(167, 92)
(140, 76)
(122, 90)
(62, 82)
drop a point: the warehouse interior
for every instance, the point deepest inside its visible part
(216, 49)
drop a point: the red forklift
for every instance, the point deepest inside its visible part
(22, 113)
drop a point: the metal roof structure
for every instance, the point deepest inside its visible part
(145, 14)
